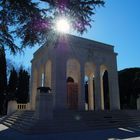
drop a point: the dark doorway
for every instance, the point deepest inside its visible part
(106, 91)
(86, 92)
(87, 95)
(72, 94)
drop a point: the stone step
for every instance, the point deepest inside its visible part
(98, 120)
(70, 128)
(18, 124)
(73, 128)
(21, 117)
(114, 122)
(77, 123)
(19, 120)
(20, 128)
(26, 122)
(96, 116)
(24, 114)
(71, 121)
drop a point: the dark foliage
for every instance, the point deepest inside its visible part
(3, 81)
(129, 85)
(12, 85)
(23, 87)
(33, 23)
(17, 89)
(78, 11)
(136, 85)
(15, 16)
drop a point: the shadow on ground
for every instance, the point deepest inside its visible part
(106, 134)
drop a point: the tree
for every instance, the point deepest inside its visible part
(3, 80)
(10, 65)
(136, 85)
(33, 23)
(129, 87)
(23, 87)
(12, 85)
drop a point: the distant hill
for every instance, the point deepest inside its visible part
(129, 86)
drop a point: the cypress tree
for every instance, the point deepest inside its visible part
(23, 87)
(12, 85)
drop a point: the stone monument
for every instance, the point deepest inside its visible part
(81, 60)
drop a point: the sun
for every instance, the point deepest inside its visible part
(62, 25)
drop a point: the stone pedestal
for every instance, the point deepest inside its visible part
(12, 107)
(44, 105)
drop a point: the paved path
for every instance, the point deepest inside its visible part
(130, 133)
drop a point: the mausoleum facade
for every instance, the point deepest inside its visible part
(82, 74)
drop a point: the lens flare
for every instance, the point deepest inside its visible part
(62, 25)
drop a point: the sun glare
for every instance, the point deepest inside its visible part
(62, 25)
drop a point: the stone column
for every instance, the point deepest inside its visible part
(97, 88)
(113, 89)
(44, 78)
(53, 78)
(113, 84)
(102, 91)
(90, 93)
(48, 73)
(39, 77)
(81, 98)
(59, 68)
(33, 88)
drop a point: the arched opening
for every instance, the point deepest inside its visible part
(86, 93)
(105, 99)
(48, 74)
(70, 80)
(73, 80)
(89, 87)
(42, 79)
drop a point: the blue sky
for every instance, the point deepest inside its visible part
(118, 24)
